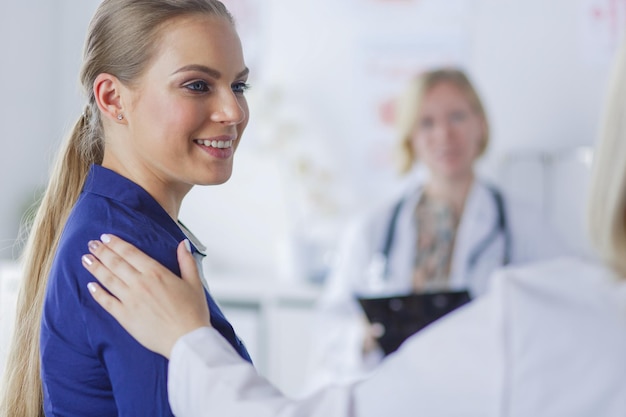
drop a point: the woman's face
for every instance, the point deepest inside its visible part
(448, 135)
(188, 111)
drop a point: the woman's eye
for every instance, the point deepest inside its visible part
(240, 88)
(457, 116)
(197, 86)
(426, 123)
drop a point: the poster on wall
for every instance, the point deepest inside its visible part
(602, 24)
(446, 8)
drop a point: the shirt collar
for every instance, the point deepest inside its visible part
(111, 185)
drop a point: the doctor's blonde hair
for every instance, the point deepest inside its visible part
(122, 40)
(409, 106)
(607, 194)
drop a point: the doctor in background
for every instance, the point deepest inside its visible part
(545, 340)
(447, 230)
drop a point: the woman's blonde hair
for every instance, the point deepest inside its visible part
(122, 40)
(408, 111)
(606, 214)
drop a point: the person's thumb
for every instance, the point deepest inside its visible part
(187, 264)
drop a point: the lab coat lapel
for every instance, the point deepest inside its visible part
(476, 223)
(403, 254)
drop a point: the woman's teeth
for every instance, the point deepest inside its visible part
(215, 143)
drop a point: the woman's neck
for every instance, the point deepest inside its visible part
(169, 196)
(453, 191)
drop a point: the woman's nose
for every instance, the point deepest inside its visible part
(442, 130)
(229, 109)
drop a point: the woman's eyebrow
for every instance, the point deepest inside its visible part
(201, 68)
(243, 73)
(207, 70)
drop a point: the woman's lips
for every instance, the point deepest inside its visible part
(221, 149)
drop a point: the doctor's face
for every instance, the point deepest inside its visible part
(449, 133)
(186, 114)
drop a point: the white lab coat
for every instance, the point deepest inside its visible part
(336, 354)
(547, 340)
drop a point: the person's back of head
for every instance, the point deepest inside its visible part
(607, 197)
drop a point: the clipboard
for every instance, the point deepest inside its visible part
(399, 317)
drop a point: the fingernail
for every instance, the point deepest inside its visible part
(87, 260)
(93, 244)
(92, 287)
(187, 245)
(105, 238)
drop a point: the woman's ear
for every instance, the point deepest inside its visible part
(107, 90)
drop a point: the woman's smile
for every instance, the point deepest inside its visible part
(220, 147)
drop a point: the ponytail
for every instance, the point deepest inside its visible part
(21, 393)
(121, 40)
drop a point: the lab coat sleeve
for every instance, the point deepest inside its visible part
(208, 378)
(454, 367)
(339, 325)
(337, 352)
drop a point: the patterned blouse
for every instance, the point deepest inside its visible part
(436, 226)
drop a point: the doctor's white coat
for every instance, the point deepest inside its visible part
(545, 341)
(336, 354)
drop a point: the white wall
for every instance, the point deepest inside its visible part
(26, 110)
(39, 56)
(541, 91)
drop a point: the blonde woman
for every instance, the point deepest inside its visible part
(546, 340)
(447, 230)
(164, 82)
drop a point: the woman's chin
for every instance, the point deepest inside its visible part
(453, 172)
(215, 179)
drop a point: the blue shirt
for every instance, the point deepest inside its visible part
(90, 366)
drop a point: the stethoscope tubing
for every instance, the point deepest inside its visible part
(500, 227)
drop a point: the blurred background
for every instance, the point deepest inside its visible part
(319, 145)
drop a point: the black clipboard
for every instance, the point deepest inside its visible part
(399, 317)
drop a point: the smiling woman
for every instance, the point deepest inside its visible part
(165, 83)
(190, 97)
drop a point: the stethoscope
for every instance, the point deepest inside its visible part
(500, 227)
